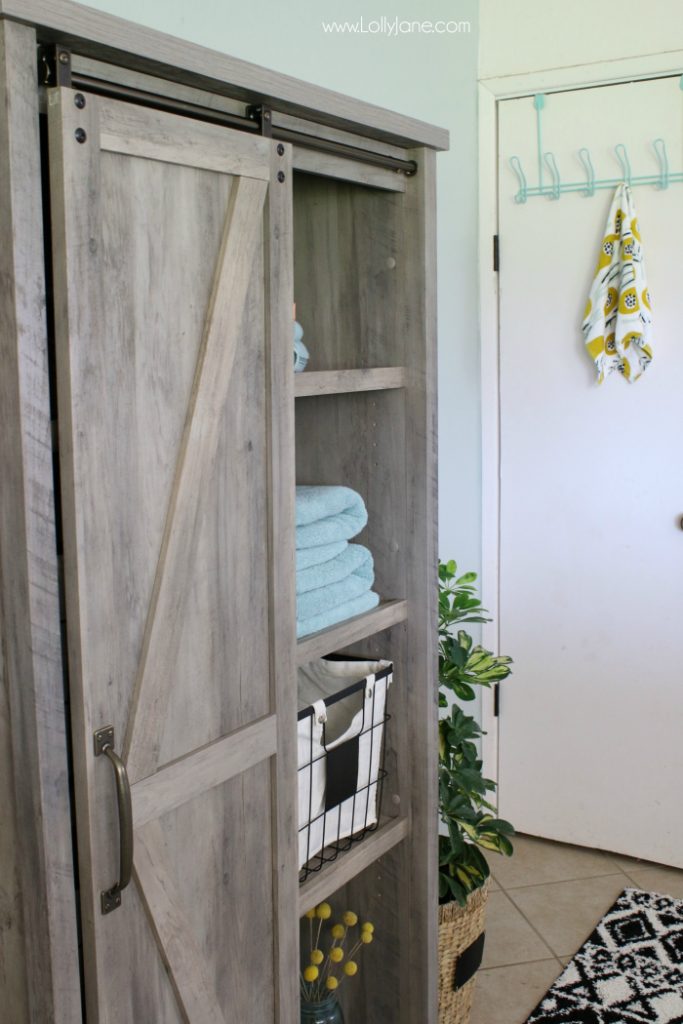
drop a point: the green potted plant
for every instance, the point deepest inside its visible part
(464, 808)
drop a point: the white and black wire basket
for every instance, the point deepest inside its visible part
(341, 723)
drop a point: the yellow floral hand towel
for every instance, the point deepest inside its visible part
(617, 320)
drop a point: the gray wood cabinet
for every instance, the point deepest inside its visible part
(162, 207)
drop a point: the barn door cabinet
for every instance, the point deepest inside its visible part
(161, 207)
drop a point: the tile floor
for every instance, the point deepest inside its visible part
(545, 900)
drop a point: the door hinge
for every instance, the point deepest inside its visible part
(496, 254)
(496, 700)
(54, 66)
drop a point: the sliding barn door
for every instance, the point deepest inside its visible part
(172, 266)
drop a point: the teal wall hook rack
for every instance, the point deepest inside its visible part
(523, 190)
(556, 186)
(624, 162)
(660, 150)
(585, 158)
(553, 187)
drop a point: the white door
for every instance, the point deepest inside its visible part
(591, 547)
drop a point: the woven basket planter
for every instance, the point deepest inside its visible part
(461, 937)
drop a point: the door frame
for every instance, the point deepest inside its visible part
(492, 91)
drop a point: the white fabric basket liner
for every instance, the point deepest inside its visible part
(336, 723)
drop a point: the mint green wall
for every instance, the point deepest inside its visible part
(429, 77)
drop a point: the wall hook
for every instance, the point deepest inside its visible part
(555, 174)
(663, 160)
(585, 158)
(622, 157)
(517, 168)
(550, 185)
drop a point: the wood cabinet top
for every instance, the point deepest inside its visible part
(109, 38)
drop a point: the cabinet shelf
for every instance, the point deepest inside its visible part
(339, 382)
(348, 632)
(342, 870)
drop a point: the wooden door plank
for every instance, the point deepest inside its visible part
(185, 962)
(202, 770)
(36, 850)
(13, 968)
(241, 239)
(156, 135)
(281, 558)
(75, 191)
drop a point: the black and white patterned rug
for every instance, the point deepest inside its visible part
(629, 971)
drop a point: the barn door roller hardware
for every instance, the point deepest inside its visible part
(54, 66)
(263, 116)
(54, 69)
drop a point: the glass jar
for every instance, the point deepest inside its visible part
(327, 1011)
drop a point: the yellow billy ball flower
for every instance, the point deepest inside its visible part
(310, 914)
(350, 919)
(336, 954)
(331, 983)
(367, 927)
(338, 931)
(311, 973)
(350, 968)
(317, 956)
(323, 911)
(366, 937)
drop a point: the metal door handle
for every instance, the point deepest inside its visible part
(104, 744)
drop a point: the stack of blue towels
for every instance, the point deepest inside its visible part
(333, 578)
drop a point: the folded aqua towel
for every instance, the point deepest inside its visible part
(353, 560)
(353, 584)
(327, 514)
(356, 606)
(307, 557)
